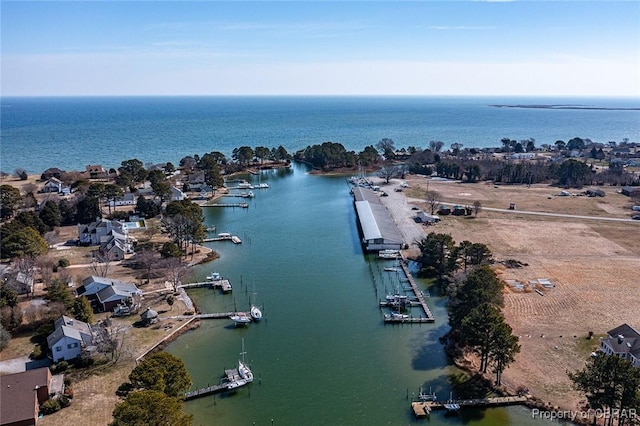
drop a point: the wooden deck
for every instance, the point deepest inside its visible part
(423, 408)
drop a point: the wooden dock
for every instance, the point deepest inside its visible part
(216, 315)
(241, 205)
(224, 285)
(423, 408)
(231, 376)
(226, 237)
(419, 300)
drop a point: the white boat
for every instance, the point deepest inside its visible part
(245, 185)
(236, 240)
(245, 375)
(262, 186)
(389, 254)
(396, 316)
(256, 313)
(240, 318)
(391, 269)
(215, 276)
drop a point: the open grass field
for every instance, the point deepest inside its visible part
(593, 264)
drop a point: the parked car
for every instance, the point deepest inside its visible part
(636, 217)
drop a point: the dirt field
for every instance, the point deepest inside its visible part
(592, 264)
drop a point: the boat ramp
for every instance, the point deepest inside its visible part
(423, 408)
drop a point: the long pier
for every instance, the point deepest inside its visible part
(420, 300)
(423, 408)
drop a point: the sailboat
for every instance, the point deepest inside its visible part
(256, 313)
(245, 375)
(240, 318)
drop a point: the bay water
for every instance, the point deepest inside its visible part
(322, 354)
(72, 132)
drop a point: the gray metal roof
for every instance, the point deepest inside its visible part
(376, 223)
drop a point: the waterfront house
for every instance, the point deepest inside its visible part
(623, 341)
(120, 293)
(22, 394)
(52, 185)
(105, 294)
(111, 235)
(95, 171)
(68, 338)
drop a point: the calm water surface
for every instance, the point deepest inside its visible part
(322, 354)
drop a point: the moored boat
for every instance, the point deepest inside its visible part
(240, 318)
(256, 313)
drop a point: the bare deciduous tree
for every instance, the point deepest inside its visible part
(27, 266)
(433, 199)
(110, 340)
(175, 271)
(100, 263)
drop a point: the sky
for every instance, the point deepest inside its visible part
(113, 48)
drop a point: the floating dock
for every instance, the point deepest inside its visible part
(423, 408)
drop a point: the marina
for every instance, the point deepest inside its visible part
(323, 314)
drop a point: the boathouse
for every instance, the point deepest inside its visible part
(379, 231)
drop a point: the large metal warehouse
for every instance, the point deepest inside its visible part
(379, 232)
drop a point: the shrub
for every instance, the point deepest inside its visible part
(51, 406)
(37, 353)
(60, 367)
(124, 389)
(63, 263)
(64, 401)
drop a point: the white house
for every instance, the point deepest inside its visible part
(52, 185)
(176, 194)
(68, 339)
(623, 341)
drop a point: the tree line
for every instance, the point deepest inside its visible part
(474, 301)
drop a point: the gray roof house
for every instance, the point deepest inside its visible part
(68, 338)
(107, 293)
(623, 341)
(116, 294)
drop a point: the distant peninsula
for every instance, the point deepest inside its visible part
(581, 107)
